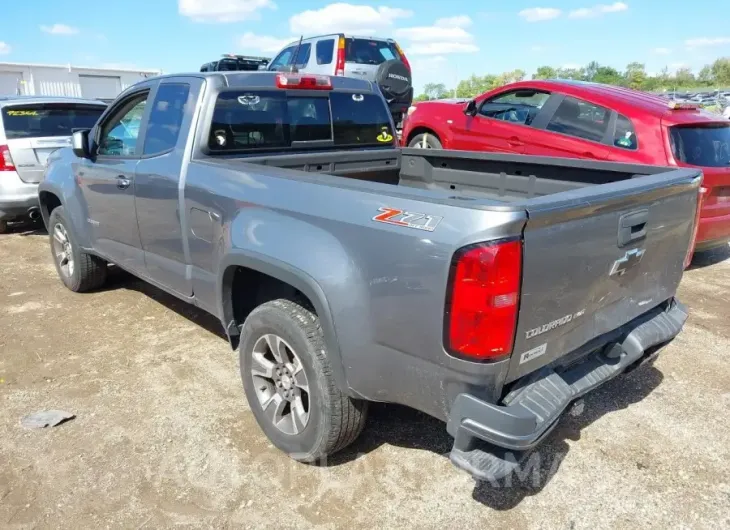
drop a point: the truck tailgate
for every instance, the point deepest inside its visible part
(596, 258)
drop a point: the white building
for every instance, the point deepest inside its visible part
(60, 80)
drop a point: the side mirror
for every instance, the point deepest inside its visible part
(470, 109)
(80, 143)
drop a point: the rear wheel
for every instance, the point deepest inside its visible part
(289, 385)
(3, 227)
(78, 271)
(425, 141)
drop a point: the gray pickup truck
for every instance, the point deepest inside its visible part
(490, 291)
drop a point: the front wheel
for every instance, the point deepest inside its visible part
(78, 271)
(425, 141)
(289, 385)
(3, 227)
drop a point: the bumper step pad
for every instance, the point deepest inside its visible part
(491, 440)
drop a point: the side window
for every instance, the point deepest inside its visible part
(282, 59)
(325, 51)
(581, 119)
(301, 58)
(166, 117)
(625, 135)
(518, 106)
(119, 134)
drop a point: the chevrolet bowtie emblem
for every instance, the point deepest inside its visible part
(631, 258)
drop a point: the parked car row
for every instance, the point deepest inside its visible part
(591, 122)
(704, 98)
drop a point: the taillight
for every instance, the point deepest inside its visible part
(700, 202)
(340, 66)
(303, 82)
(403, 57)
(6, 161)
(483, 300)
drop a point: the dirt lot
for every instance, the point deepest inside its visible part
(163, 436)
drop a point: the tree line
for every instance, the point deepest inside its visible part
(634, 76)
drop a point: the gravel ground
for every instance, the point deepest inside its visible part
(163, 436)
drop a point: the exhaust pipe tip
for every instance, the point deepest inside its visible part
(34, 213)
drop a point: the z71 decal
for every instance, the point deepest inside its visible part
(420, 221)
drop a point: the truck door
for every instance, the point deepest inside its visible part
(158, 179)
(107, 181)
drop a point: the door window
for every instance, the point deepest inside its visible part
(301, 58)
(518, 106)
(291, 55)
(282, 59)
(120, 132)
(325, 51)
(581, 119)
(166, 117)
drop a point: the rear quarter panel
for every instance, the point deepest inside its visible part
(384, 285)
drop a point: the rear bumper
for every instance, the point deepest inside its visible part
(713, 232)
(534, 408)
(16, 196)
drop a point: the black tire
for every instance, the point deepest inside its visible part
(3, 227)
(432, 141)
(335, 420)
(89, 272)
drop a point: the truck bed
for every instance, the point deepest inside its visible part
(491, 176)
(603, 242)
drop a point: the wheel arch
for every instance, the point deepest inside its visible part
(49, 201)
(421, 129)
(281, 275)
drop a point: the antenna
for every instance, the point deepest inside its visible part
(293, 61)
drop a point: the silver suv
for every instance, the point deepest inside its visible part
(378, 60)
(30, 129)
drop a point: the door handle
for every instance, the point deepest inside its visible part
(632, 227)
(589, 154)
(515, 142)
(123, 182)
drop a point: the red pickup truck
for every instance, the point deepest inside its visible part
(588, 120)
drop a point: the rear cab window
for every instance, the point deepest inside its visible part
(705, 145)
(48, 119)
(261, 121)
(370, 51)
